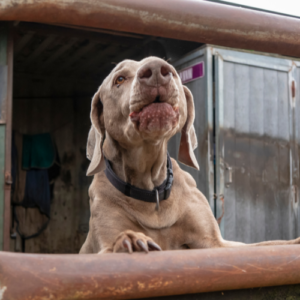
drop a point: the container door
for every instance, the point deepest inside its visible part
(256, 156)
(6, 60)
(195, 71)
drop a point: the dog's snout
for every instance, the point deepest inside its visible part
(155, 73)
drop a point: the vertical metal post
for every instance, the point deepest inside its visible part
(294, 158)
(210, 124)
(8, 142)
(219, 152)
(6, 70)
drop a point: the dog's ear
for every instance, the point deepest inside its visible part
(188, 140)
(96, 137)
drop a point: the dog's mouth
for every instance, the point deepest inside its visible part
(157, 99)
(156, 116)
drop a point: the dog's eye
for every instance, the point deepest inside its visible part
(120, 80)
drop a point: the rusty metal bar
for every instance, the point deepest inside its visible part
(199, 21)
(140, 275)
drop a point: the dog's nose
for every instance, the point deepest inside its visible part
(155, 73)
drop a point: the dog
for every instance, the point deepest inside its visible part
(140, 199)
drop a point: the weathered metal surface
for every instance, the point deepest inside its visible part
(199, 21)
(3, 120)
(3, 72)
(296, 111)
(8, 141)
(124, 276)
(2, 179)
(202, 93)
(289, 292)
(256, 124)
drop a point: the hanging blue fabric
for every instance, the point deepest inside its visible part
(37, 191)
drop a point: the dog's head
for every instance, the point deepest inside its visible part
(142, 102)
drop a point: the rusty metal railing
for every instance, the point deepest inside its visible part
(199, 21)
(125, 276)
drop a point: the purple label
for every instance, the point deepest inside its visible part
(191, 73)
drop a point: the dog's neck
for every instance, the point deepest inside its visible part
(144, 167)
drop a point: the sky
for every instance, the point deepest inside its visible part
(289, 7)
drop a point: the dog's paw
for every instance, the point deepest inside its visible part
(130, 241)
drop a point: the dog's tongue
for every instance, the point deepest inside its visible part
(155, 116)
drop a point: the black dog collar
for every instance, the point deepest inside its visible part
(159, 193)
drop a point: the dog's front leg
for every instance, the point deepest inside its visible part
(131, 241)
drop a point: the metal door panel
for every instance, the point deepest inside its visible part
(285, 210)
(253, 147)
(242, 94)
(229, 122)
(201, 89)
(256, 147)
